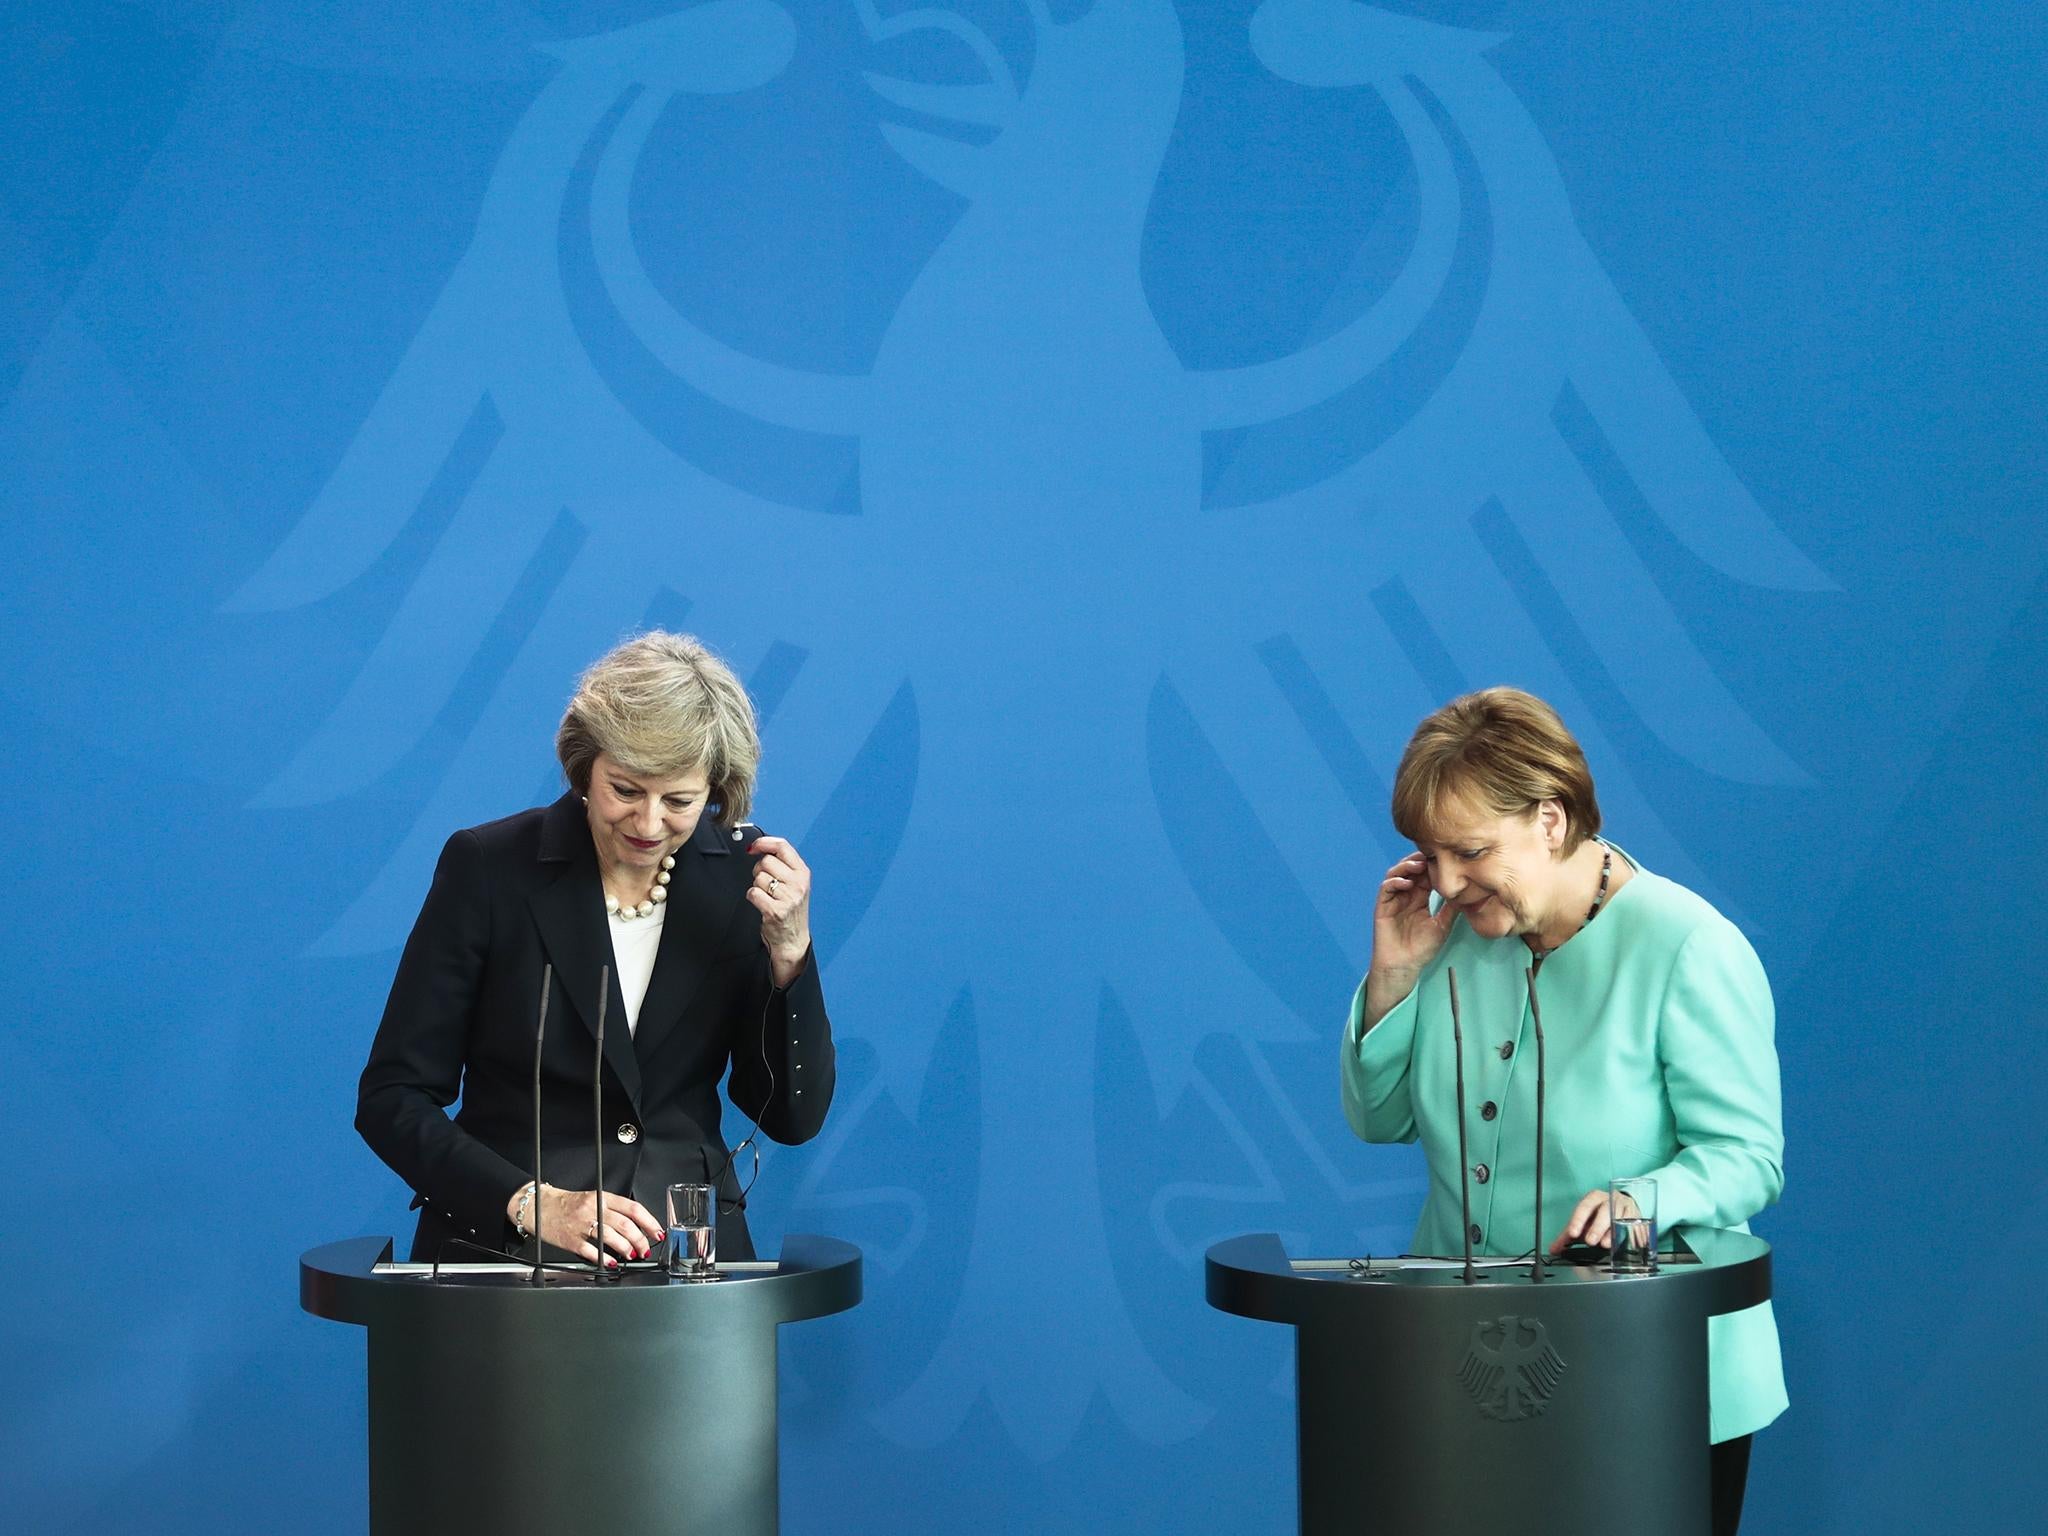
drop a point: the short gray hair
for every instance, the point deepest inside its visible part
(661, 704)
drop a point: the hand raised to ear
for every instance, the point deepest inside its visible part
(1405, 935)
(781, 893)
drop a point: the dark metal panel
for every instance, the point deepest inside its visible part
(1427, 1404)
(645, 1404)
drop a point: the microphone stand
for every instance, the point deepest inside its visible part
(540, 1033)
(1536, 1018)
(604, 996)
(1464, 1160)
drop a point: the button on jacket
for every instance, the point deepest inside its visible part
(1661, 1061)
(513, 896)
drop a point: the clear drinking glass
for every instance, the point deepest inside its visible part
(692, 1231)
(1632, 1206)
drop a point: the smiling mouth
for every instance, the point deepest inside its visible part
(644, 843)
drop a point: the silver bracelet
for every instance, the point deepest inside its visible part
(523, 1209)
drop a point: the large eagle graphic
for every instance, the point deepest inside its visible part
(1073, 570)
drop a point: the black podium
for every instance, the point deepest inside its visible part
(1425, 1404)
(643, 1404)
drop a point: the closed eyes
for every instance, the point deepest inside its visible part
(634, 792)
(1462, 855)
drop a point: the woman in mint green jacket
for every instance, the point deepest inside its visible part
(1657, 1017)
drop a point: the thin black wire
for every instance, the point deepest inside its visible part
(748, 1143)
(500, 1256)
(1368, 1266)
(751, 1141)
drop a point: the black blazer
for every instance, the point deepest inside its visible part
(513, 895)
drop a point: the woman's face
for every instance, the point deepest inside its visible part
(1500, 872)
(636, 819)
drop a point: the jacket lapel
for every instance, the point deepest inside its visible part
(701, 899)
(569, 912)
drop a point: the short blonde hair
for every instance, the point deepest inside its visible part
(661, 704)
(1499, 750)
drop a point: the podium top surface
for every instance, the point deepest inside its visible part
(1709, 1270)
(355, 1282)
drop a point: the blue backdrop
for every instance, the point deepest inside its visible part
(1097, 432)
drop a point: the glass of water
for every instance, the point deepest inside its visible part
(1632, 1207)
(692, 1231)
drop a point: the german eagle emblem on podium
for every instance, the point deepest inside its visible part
(1510, 1368)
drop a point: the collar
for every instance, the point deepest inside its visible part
(719, 842)
(564, 833)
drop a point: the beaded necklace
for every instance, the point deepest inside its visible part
(1599, 900)
(658, 894)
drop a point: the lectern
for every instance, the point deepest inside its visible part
(643, 1404)
(1577, 1401)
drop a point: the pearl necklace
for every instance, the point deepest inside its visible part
(655, 897)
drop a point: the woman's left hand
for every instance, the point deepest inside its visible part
(1591, 1223)
(781, 892)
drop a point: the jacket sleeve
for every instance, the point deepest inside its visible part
(1374, 1070)
(1716, 1046)
(782, 1060)
(416, 1062)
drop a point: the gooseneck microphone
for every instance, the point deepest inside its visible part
(540, 1033)
(1464, 1159)
(1536, 1018)
(604, 996)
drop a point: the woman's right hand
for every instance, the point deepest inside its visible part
(568, 1220)
(1405, 936)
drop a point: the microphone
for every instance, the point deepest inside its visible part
(540, 1033)
(1536, 1018)
(1464, 1160)
(604, 996)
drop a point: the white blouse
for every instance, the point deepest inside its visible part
(634, 943)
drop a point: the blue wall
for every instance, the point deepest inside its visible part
(1097, 434)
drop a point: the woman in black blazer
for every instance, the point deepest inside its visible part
(704, 925)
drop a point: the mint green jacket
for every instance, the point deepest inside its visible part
(1660, 1061)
